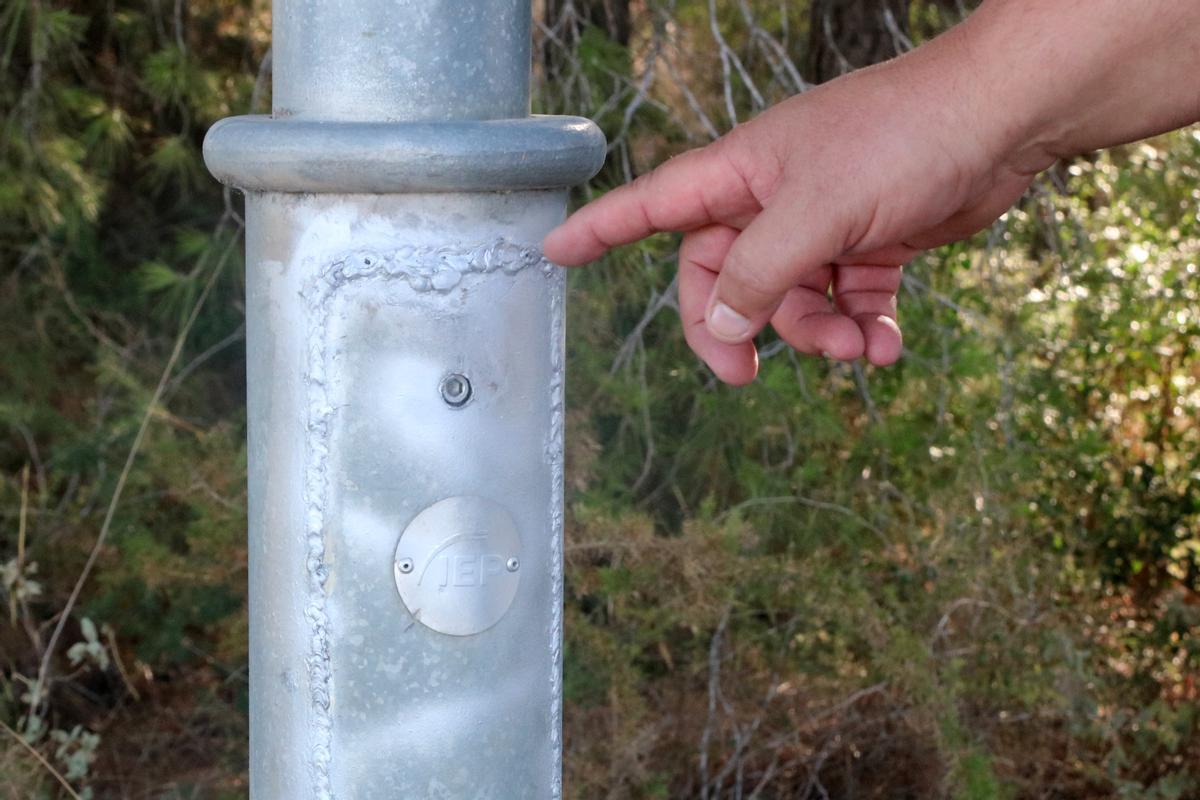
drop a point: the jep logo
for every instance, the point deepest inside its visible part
(457, 565)
(465, 569)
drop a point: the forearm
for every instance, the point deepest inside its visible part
(1069, 76)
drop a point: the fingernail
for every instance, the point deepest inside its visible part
(727, 324)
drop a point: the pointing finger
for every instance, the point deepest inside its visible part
(687, 192)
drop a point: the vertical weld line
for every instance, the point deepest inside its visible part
(316, 485)
(557, 280)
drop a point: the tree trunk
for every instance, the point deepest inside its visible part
(847, 34)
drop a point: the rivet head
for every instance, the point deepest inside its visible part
(513, 564)
(405, 565)
(456, 390)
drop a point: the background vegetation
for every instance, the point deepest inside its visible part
(972, 575)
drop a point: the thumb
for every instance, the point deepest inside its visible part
(787, 245)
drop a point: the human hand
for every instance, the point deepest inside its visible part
(803, 217)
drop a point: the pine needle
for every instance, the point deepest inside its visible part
(149, 414)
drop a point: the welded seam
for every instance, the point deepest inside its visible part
(554, 457)
(426, 269)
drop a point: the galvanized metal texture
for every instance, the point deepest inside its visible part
(357, 311)
(401, 60)
(405, 405)
(259, 153)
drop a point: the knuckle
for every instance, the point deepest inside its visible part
(753, 159)
(645, 183)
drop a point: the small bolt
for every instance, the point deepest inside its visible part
(405, 565)
(513, 564)
(456, 390)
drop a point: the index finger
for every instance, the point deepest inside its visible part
(691, 190)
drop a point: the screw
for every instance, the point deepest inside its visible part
(456, 390)
(405, 565)
(513, 564)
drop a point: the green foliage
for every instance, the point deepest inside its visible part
(109, 230)
(973, 575)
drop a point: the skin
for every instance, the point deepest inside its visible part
(803, 217)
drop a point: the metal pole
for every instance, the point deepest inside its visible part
(405, 369)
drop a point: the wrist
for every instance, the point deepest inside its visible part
(1081, 75)
(981, 109)
(1020, 81)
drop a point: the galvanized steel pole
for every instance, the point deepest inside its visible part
(405, 349)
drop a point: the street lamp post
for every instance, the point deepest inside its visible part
(405, 403)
